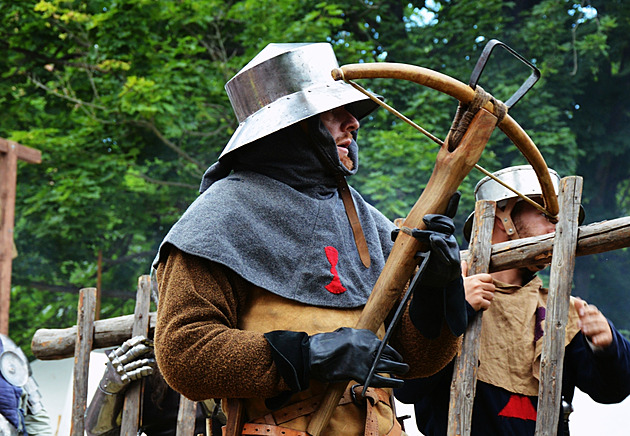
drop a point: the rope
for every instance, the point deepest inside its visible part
(465, 114)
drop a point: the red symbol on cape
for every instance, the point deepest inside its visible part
(519, 406)
(335, 285)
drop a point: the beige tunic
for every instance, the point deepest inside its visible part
(511, 341)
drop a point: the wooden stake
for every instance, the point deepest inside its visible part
(560, 281)
(99, 277)
(83, 347)
(8, 179)
(463, 386)
(186, 417)
(133, 396)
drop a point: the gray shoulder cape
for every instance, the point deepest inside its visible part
(284, 241)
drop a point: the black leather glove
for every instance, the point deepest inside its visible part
(439, 295)
(445, 263)
(347, 354)
(343, 355)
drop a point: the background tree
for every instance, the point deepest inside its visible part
(125, 100)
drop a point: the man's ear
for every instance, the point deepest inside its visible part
(498, 222)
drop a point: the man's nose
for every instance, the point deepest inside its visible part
(350, 123)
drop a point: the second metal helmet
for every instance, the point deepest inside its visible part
(285, 84)
(522, 178)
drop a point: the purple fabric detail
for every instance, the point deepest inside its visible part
(540, 317)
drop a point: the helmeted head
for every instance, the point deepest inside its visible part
(14, 365)
(523, 179)
(285, 84)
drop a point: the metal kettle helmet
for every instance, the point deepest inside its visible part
(285, 84)
(523, 179)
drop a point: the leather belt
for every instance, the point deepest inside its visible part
(270, 424)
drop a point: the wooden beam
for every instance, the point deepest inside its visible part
(54, 344)
(594, 238)
(186, 416)
(27, 154)
(10, 153)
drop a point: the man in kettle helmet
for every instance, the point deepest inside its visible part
(264, 276)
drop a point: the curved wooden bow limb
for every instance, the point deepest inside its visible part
(450, 169)
(464, 93)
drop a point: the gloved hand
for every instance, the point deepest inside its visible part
(348, 354)
(444, 264)
(439, 295)
(126, 364)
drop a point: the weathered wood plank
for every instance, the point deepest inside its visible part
(560, 281)
(464, 382)
(186, 417)
(83, 347)
(133, 396)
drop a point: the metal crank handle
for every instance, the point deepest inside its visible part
(483, 60)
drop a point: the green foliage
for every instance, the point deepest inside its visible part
(126, 102)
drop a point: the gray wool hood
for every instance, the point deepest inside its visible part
(278, 221)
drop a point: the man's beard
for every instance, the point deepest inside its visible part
(347, 162)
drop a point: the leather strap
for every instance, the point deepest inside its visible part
(291, 412)
(372, 397)
(505, 215)
(271, 430)
(351, 212)
(353, 218)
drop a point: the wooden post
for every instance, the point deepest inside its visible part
(186, 417)
(8, 179)
(10, 152)
(83, 347)
(133, 397)
(464, 383)
(99, 280)
(561, 279)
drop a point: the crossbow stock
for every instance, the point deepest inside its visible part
(453, 163)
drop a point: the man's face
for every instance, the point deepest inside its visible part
(529, 221)
(341, 123)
